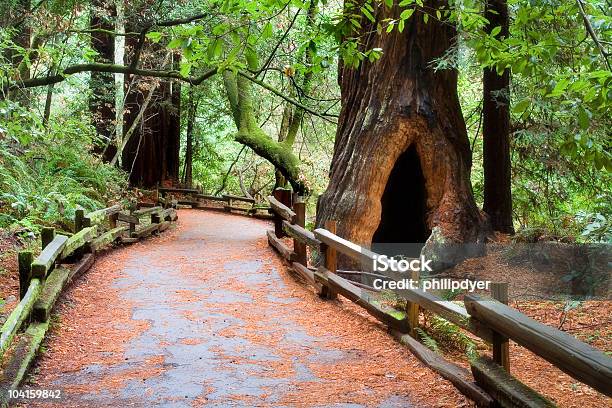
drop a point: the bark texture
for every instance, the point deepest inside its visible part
(151, 152)
(496, 131)
(388, 106)
(151, 156)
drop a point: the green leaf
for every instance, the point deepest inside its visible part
(406, 14)
(559, 88)
(400, 26)
(154, 36)
(521, 106)
(583, 118)
(367, 14)
(185, 69)
(495, 31)
(175, 43)
(267, 31)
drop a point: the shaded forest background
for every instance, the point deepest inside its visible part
(244, 96)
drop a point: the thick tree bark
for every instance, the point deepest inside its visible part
(389, 106)
(151, 156)
(496, 131)
(101, 84)
(119, 58)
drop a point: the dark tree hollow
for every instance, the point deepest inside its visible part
(404, 203)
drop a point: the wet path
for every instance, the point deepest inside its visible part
(206, 315)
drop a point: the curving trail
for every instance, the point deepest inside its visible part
(207, 315)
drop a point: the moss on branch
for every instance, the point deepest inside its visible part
(238, 88)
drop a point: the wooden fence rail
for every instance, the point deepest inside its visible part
(42, 279)
(227, 202)
(486, 318)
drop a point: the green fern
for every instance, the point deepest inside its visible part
(427, 340)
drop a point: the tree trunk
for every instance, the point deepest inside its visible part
(102, 98)
(151, 156)
(191, 115)
(401, 163)
(48, 101)
(496, 131)
(22, 37)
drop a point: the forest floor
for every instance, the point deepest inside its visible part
(207, 315)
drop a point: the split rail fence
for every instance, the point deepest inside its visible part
(194, 198)
(64, 258)
(489, 383)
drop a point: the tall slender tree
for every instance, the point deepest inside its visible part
(496, 130)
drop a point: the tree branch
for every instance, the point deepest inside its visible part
(589, 28)
(324, 116)
(112, 68)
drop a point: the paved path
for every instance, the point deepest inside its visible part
(206, 315)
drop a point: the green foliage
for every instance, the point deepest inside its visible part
(46, 174)
(428, 341)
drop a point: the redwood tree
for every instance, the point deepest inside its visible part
(402, 138)
(151, 156)
(496, 131)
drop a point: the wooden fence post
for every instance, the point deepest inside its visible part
(412, 308)
(284, 196)
(155, 218)
(299, 207)
(79, 215)
(132, 225)
(501, 345)
(331, 261)
(25, 259)
(46, 236)
(112, 220)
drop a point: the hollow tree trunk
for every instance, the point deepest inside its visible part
(389, 106)
(101, 84)
(496, 131)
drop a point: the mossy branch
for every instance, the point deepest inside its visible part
(250, 134)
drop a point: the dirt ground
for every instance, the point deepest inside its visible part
(207, 315)
(9, 275)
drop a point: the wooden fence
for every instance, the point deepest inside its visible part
(229, 203)
(489, 383)
(41, 280)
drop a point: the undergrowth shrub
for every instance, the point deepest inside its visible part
(46, 174)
